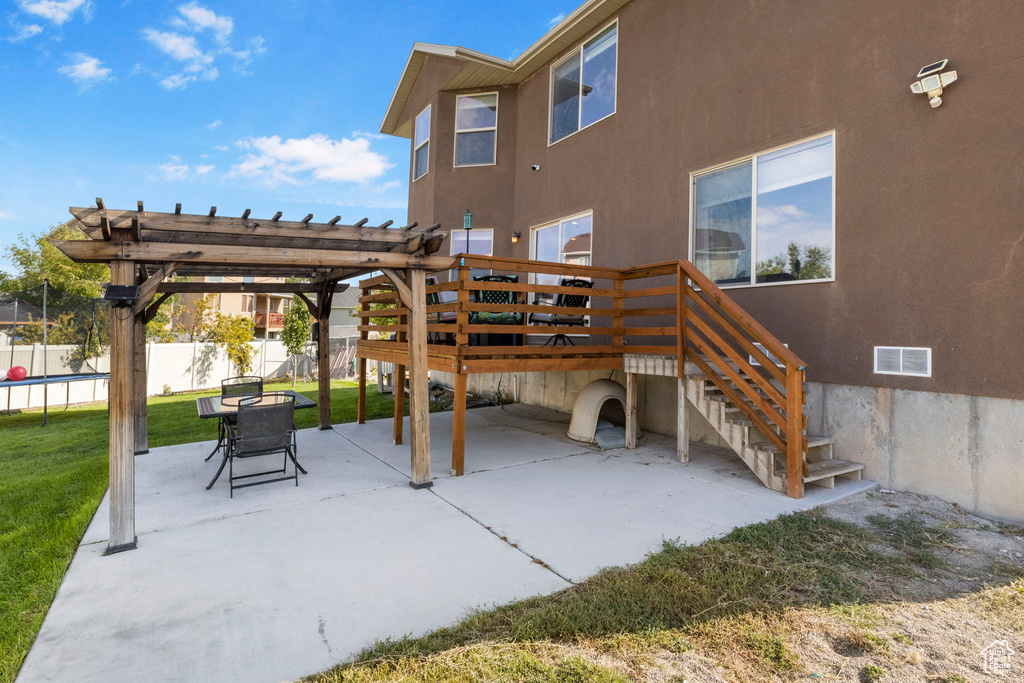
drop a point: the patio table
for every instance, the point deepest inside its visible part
(226, 407)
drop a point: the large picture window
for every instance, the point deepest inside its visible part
(566, 241)
(421, 145)
(476, 129)
(583, 85)
(768, 219)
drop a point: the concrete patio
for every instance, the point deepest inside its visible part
(283, 581)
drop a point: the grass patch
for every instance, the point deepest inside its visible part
(52, 479)
(723, 595)
(909, 534)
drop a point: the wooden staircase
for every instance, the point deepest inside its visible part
(764, 459)
(742, 379)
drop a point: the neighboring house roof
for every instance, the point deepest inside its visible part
(27, 313)
(577, 244)
(347, 299)
(718, 240)
(479, 69)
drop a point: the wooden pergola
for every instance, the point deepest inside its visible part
(143, 247)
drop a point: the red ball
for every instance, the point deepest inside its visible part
(17, 373)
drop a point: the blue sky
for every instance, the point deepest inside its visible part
(267, 105)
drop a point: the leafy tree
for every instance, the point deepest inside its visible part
(233, 334)
(296, 332)
(73, 289)
(809, 262)
(198, 323)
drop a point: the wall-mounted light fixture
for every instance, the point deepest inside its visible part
(515, 237)
(932, 81)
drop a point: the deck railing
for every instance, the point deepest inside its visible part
(670, 309)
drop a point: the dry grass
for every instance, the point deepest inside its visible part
(803, 596)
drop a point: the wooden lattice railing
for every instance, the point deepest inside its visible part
(670, 309)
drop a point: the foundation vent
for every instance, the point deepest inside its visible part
(903, 360)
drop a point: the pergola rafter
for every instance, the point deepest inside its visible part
(143, 248)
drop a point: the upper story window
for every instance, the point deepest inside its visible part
(768, 219)
(583, 85)
(476, 129)
(421, 145)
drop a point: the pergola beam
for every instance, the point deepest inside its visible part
(92, 251)
(253, 227)
(243, 287)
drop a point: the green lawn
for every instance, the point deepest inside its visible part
(52, 479)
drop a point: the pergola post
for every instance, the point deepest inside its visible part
(361, 395)
(323, 356)
(419, 397)
(122, 417)
(399, 388)
(139, 385)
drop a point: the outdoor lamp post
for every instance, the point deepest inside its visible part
(467, 224)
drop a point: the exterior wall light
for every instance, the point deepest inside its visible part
(932, 81)
(515, 237)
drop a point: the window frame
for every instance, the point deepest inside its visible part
(455, 143)
(558, 63)
(589, 213)
(752, 160)
(454, 274)
(416, 148)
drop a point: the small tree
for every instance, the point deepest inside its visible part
(296, 331)
(234, 334)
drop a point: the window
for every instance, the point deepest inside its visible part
(421, 145)
(248, 279)
(567, 241)
(583, 85)
(768, 219)
(476, 241)
(476, 129)
(903, 360)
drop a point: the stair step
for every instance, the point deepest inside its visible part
(830, 468)
(812, 442)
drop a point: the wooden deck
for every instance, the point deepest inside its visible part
(664, 310)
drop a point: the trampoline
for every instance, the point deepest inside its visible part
(48, 379)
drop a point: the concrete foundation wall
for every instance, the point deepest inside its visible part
(968, 450)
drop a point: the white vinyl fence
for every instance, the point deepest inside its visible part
(171, 367)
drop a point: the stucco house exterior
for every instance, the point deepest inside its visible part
(780, 148)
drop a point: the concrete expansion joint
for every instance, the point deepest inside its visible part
(504, 539)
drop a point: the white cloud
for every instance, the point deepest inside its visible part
(366, 134)
(198, 52)
(557, 18)
(86, 71)
(198, 18)
(215, 124)
(55, 11)
(770, 216)
(7, 216)
(221, 148)
(22, 31)
(174, 171)
(204, 169)
(314, 158)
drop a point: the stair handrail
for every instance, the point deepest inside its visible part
(793, 442)
(762, 336)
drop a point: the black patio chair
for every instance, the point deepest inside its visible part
(495, 297)
(234, 386)
(565, 319)
(264, 426)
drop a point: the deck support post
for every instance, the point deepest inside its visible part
(122, 416)
(794, 432)
(419, 393)
(631, 414)
(459, 425)
(682, 425)
(324, 297)
(361, 369)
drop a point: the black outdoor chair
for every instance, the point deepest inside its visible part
(565, 319)
(444, 317)
(264, 426)
(234, 386)
(490, 296)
